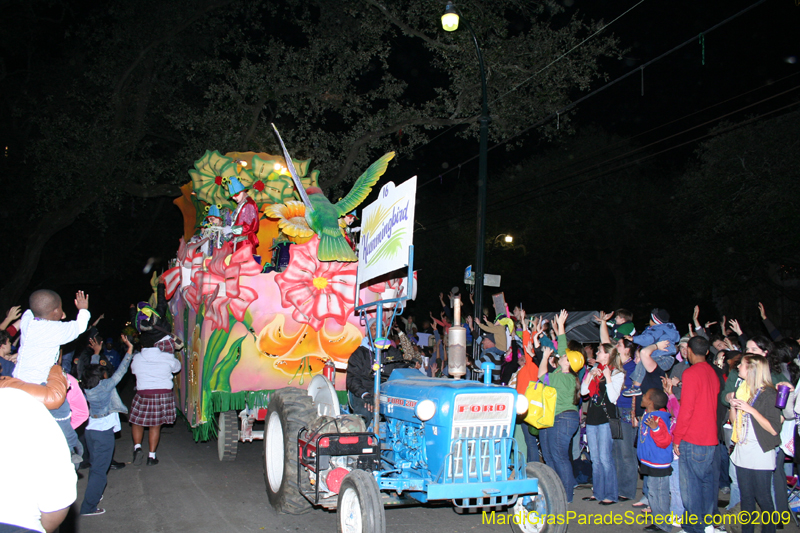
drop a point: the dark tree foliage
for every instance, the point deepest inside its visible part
(106, 105)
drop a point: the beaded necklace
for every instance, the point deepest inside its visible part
(746, 420)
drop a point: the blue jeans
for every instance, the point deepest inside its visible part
(101, 452)
(779, 495)
(735, 496)
(359, 407)
(699, 485)
(555, 448)
(675, 502)
(604, 472)
(63, 416)
(625, 460)
(723, 460)
(664, 362)
(658, 496)
(531, 443)
(756, 486)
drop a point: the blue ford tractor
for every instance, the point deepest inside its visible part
(437, 439)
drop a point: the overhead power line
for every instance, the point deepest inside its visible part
(516, 199)
(572, 105)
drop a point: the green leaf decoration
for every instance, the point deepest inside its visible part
(210, 177)
(268, 186)
(221, 377)
(265, 185)
(216, 342)
(312, 180)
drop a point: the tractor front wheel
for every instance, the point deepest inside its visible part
(289, 410)
(544, 512)
(360, 508)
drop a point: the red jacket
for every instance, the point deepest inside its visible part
(248, 219)
(697, 419)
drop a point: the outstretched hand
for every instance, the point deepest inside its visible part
(127, 343)
(666, 384)
(95, 345)
(762, 311)
(652, 422)
(81, 300)
(13, 314)
(604, 317)
(734, 324)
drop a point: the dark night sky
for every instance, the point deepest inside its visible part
(745, 61)
(735, 73)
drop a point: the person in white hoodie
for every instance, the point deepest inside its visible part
(154, 402)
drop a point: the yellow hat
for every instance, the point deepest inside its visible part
(576, 360)
(507, 322)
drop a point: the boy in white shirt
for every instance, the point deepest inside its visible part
(41, 337)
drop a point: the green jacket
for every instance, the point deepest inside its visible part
(565, 390)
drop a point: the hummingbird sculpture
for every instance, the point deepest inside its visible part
(321, 216)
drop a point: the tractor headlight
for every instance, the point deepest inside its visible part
(522, 404)
(426, 409)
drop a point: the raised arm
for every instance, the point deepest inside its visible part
(647, 352)
(603, 319)
(544, 366)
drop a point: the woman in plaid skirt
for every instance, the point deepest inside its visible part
(154, 402)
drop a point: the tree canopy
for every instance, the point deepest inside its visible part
(104, 105)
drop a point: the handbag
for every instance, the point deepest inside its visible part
(541, 405)
(614, 423)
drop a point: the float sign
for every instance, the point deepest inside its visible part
(387, 230)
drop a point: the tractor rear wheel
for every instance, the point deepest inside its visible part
(289, 410)
(549, 504)
(228, 436)
(360, 508)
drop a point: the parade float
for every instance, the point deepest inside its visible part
(263, 288)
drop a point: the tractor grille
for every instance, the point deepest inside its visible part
(480, 423)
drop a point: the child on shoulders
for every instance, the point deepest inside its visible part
(42, 334)
(660, 329)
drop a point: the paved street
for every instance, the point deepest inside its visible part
(190, 490)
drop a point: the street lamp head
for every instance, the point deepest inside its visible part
(509, 239)
(450, 18)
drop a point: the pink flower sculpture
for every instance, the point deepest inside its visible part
(317, 289)
(189, 258)
(221, 284)
(172, 280)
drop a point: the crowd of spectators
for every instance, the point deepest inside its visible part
(692, 415)
(70, 370)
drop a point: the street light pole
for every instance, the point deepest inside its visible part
(482, 167)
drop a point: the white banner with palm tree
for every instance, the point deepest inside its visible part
(387, 230)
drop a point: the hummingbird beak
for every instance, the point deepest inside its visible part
(295, 178)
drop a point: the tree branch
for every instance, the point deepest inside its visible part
(151, 191)
(408, 29)
(175, 30)
(48, 225)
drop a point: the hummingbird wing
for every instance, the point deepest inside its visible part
(363, 185)
(295, 178)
